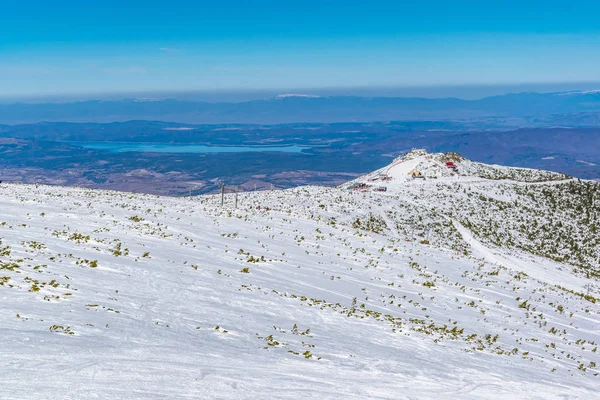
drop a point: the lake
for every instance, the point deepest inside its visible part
(120, 147)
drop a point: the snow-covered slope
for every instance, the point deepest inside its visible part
(304, 293)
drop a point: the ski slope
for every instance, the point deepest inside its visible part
(305, 293)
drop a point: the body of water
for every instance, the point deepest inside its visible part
(120, 147)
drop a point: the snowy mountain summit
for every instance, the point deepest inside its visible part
(447, 167)
(294, 95)
(434, 277)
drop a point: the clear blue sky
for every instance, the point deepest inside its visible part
(93, 46)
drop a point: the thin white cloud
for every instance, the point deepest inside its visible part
(125, 70)
(169, 49)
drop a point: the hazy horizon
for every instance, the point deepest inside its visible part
(466, 92)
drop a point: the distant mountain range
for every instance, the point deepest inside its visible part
(579, 108)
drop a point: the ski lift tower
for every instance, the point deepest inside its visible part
(222, 187)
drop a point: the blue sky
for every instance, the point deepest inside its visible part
(95, 46)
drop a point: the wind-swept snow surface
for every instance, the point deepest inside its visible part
(305, 293)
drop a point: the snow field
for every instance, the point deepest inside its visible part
(319, 292)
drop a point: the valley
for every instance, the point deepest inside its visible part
(182, 159)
